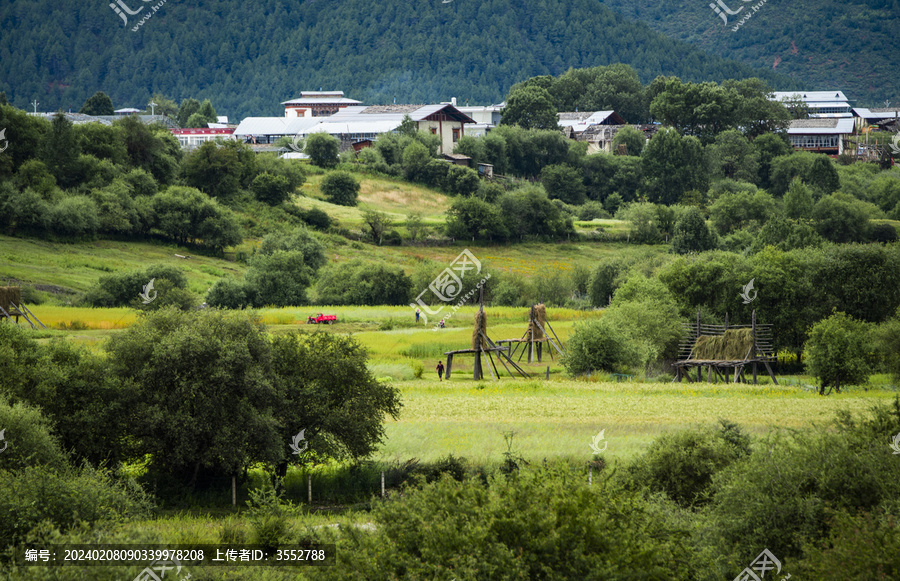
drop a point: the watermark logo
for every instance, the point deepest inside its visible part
(295, 144)
(761, 565)
(156, 571)
(895, 443)
(448, 284)
(3, 140)
(725, 10)
(122, 9)
(295, 442)
(595, 444)
(145, 296)
(5, 443)
(746, 294)
(895, 143)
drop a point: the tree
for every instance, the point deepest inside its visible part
(326, 389)
(378, 223)
(357, 282)
(563, 182)
(787, 234)
(644, 219)
(823, 175)
(731, 156)
(692, 234)
(838, 219)
(416, 159)
(733, 211)
(529, 212)
(60, 151)
(151, 147)
(837, 352)
(597, 345)
(699, 109)
(530, 107)
(339, 187)
(461, 181)
(301, 240)
(279, 279)
(181, 367)
(672, 165)
(798, 201)
(271, 189)
(472, 218)
(98, 104)
(769, 146)
(322, 149)
(633, 140)
(219, 169)
(187, 108)
(187, 215)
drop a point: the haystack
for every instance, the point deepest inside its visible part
(734, 345)
(479, 331)
(8, 296)
(539, 315)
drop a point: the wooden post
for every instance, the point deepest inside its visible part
(590, 475)
(449, 366)
(548, 372)
(309, 487)
(233, 490)
(382, 484)
(476, 369)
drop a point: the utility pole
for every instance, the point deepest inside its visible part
(35, 103)
(152, 108)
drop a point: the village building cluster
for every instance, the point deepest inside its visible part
(829, 123)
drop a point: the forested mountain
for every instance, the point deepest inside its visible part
(851, 45)
(249, 56)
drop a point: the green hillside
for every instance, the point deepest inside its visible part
(847, 45)
(248, 57)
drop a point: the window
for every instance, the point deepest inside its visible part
(455, 135)
(434, 130)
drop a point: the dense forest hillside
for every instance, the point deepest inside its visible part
(850, 45)
(247, 57)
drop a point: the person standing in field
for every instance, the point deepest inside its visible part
(417, 315)
(440, 370)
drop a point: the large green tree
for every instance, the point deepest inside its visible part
(98, 104)
(530, 107)
(837, 352)
(672, 165)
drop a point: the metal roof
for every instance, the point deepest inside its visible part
(843, 125)
(321, 101)
(275, 125)
(810, 96)
(355, 126)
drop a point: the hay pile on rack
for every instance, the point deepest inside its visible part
(539, 314)
(479, 331)
(734, 345)
(8, 296)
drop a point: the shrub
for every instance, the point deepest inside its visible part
(271, 189)
(317, 218)
(63, 499)
(27, 439)
(340, 188)
(544, 523)
(682, 464)
(228, 293)
(322, 149)
(597, 346)
(838, 352)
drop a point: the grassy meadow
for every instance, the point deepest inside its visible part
(548, 418)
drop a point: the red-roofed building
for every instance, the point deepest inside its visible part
(193, 138)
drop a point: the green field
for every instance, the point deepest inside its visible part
(555, 418)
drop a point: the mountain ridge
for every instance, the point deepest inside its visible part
(249, 58)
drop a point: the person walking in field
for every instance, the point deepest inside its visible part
(440, 370)
(417, 315)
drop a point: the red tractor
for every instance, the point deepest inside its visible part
(320, 318)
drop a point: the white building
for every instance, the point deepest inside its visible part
(820, 135)
(821, 104)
